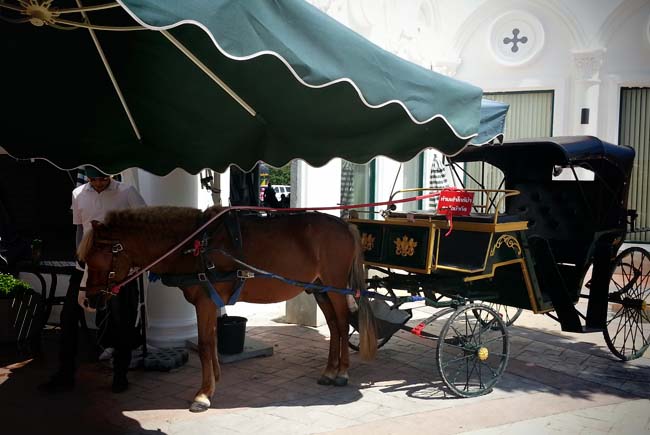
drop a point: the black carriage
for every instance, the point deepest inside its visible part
(544, 238)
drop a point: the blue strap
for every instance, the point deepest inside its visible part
(195, 278)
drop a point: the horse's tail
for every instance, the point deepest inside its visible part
(367, 328)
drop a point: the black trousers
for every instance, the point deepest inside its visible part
(116, 327)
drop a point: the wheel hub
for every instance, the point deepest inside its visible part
(638, 304)
(482, 353)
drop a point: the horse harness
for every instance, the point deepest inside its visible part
(208, 273)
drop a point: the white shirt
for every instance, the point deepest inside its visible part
(88, 205)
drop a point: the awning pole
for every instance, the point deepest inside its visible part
(110, 74)
(208, 72)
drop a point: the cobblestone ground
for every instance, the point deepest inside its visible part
(554, 382)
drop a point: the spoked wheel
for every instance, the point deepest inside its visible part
(392, 303)
(628, 313)
(508, 314)
(473, 350)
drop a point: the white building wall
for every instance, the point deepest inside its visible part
(583, 50)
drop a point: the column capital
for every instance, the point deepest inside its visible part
(587, 64)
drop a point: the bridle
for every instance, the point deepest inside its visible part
(112, 288)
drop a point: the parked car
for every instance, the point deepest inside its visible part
(281, 189)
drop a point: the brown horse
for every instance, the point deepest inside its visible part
(308, 247)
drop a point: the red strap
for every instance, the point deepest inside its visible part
(197, 248)
(116, 289)
(450, 217)
(417, 329)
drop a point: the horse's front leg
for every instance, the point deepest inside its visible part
(206, 315)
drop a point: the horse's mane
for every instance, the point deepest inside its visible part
(159, 223)
(84, 246)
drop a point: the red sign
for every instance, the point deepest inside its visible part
(455, 202)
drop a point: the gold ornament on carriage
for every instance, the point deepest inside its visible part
(405, 246)
(483, 353)
(510, 242)
(367, 241)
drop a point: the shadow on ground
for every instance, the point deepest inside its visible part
(405, 367)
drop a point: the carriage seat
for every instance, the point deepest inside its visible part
(431, 214)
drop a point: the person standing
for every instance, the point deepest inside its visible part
(91, 202)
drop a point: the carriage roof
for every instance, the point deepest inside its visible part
(544, 153)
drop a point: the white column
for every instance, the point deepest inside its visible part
(171, 319)
(312, 187)
(389, 178)
(586, 94)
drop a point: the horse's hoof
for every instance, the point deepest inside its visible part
(324, 380)
(340, 381)
(199, 407)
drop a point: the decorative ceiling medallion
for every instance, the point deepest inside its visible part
(516, 37)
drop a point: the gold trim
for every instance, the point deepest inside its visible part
(460, 269)
(510, 241)
(430, 244)
(421, 224)
(483, 353)
(490, 194)
(527, 281)
(442, 224)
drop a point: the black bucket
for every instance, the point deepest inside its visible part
(231, 333)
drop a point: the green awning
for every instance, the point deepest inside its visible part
(317, 89)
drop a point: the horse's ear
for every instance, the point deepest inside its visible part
(97, 225)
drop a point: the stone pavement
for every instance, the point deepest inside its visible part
(554, 383)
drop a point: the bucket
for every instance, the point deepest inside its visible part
(231, 333)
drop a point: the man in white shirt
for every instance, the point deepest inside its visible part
(92, 201)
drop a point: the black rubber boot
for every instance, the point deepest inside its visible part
(58, 383)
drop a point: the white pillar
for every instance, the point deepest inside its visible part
(389, 177)
(586, 94)
(171, 319)
(312, 187)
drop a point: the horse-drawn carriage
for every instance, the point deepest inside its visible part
(546, 237)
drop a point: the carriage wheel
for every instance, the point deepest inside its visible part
(628, 313)
(473, 350)
(393, 301)
(508, 314)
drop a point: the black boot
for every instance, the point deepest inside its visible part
(58, 383)
(120, 383)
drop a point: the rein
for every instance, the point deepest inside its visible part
(115, 289)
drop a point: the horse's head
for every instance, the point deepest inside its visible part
(107, 264)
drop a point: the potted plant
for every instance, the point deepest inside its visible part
(18, 306)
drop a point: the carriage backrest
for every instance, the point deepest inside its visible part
(566, 211)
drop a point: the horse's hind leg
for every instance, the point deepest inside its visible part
(342, 313)
(206, 314)
(328, 376)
